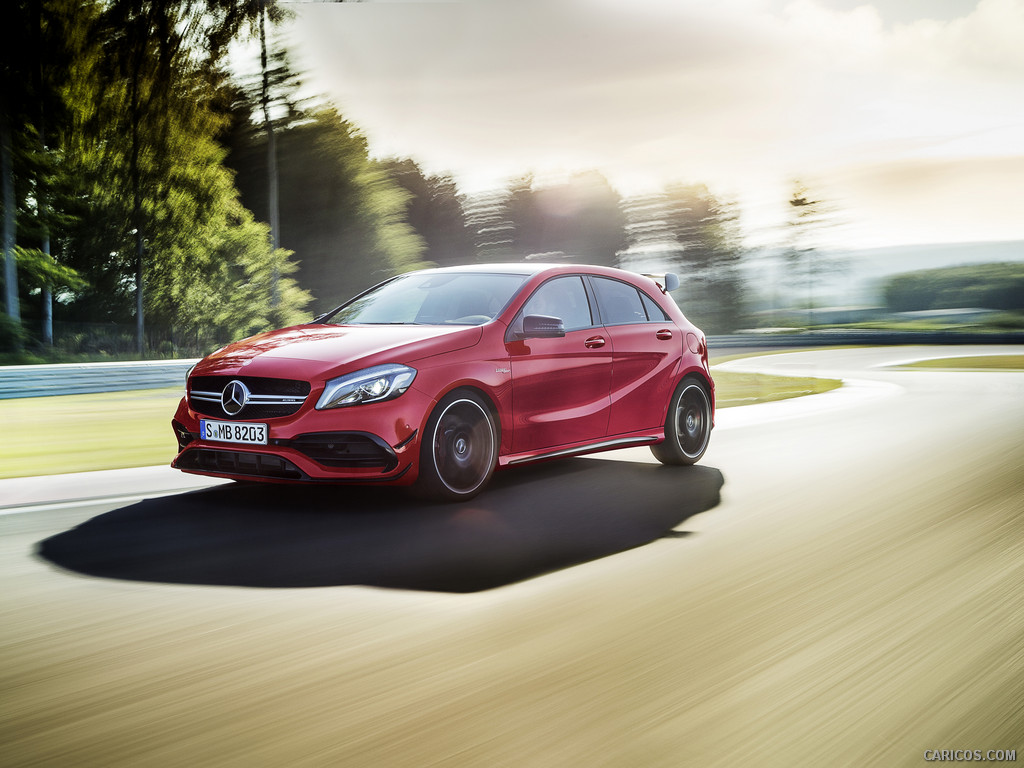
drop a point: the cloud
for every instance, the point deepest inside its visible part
(987, 44)
(740, 94)
(978, 198)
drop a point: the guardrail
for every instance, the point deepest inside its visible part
(84, 378)
(858, 337)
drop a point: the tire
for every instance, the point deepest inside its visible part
(459, 449)
(687, 426)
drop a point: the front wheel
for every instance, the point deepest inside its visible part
(687, 427)
(459, 449)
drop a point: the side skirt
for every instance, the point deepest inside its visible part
(609, 444)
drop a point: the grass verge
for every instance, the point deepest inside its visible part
(733, 388)
(78, 433)
(113, 430)
(979, 363)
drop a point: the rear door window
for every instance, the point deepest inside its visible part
(619, 302)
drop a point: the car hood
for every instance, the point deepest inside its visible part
(319, 351)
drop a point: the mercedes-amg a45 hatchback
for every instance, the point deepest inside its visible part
(437, 378)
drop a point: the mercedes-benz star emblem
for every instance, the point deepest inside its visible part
(234, 397)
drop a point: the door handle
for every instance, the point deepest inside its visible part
(594, 342)
(664, 334)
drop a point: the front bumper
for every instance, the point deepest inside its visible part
(375, 443)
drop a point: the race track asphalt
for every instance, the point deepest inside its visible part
(839, 582)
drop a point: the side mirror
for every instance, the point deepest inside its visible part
(542, 327)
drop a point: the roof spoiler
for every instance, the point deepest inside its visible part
(668, 282)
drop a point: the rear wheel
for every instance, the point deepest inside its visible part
(687, 426)
(459, 449)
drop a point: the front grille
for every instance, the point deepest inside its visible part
(345, 449)
(270, 398)
(239, 463)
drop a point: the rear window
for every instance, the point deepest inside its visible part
(654, 312)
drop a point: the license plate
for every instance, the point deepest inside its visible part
(231, 432)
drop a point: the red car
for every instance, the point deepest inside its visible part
(436, 378)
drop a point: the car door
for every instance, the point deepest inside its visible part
(560, 385)
(647, 347)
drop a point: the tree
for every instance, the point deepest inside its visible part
(15, 96)
(581, 219)
(147, 41)
(808, 218)
(435, 211)
(706, 229)
(209, 277)
(688, 229)
(526, 219)
(590, 213)
(341, 213)
(164, 55)
(995, 285)
(54, 47)
(158, 208)
(488, 217)
(9, 215)
(651, 245)
(36, 50)
(234, 17)
(254, 14)
(112, 119)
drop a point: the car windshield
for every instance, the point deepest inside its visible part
(438, 298)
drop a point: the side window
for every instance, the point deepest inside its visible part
(563, 297)
(620, 302)
(654, 313)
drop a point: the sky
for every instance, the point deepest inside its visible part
(906, 116)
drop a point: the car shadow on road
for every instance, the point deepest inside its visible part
(530, 521)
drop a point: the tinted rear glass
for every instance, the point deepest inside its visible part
(654, 312)
(619, 302)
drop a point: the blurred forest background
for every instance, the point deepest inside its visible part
(154, 204)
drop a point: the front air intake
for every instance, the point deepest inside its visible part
(238, 463)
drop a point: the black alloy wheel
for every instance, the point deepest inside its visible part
(460, 448)
(687, 426)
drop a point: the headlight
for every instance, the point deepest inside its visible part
(370, 385)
